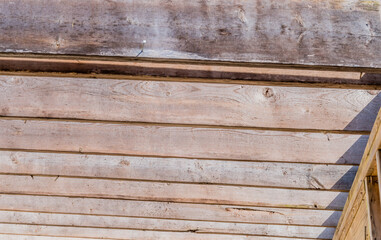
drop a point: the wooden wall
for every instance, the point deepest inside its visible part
(177, 159)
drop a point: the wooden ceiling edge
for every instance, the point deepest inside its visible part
(187, 80)
(366, 168)
(258, 64)
(192, 71)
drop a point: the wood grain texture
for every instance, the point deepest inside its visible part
(190, 103)
(350, 214)
(193, 142)
(348, 32)
(169, 210)
(378, 171)
(289, 175)
(172, 192)
(51, 219)
(373, 207)
(359, 228)
(103, 233)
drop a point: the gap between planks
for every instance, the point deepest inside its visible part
(162, 218)
(161, 156)
(163, 181)
(191, 80)
(293, 130)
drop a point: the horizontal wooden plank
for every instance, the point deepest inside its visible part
(169, 210)
(29, 237)
(179, 141)
(289, 175)
(124, 68)
(190, 103)
(207, 30)
(172, 192)
(51, 219)
(104, 233)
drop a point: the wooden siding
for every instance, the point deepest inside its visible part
(141, 159)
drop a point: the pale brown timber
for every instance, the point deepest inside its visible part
(112, 222)
(169, 210)
(270, 174)
(104, 233)
(182, 141)
(171, 192)
(184, 103)
(373, 207)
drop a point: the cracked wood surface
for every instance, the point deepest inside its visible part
(328, 32)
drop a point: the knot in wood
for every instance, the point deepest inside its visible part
(268, 92)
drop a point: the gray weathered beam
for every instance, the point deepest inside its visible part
(327, 32)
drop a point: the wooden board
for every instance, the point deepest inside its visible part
(169, 210)
(29, 237)
(181, 141)
(125, 68)
(112, 222)
(246, 31)
(189, 103)
(359, 229)
(373, 207)
(104, 233)
(289, 175)
(172, 192)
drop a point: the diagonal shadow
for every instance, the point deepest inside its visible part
(364, 120)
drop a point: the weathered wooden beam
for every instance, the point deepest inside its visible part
(289, 175)
(181, 141)
(189, 103)
(172, 192)
(29, 237)
(119, 234)
(329, 32)
(169, 210)
(175, 225)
